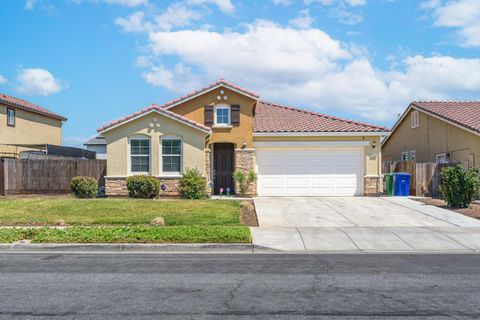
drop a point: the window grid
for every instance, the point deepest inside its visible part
(171, 156)
(222, 115)
(140, 155)
(10, 117)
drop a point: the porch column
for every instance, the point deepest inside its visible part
(208, 164)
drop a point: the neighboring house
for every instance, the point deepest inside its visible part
(24, 125)
(437, 132)
(98, 145)
(223, 127)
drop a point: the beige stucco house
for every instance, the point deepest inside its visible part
(437, 132)
(223, 127)
(24, 124)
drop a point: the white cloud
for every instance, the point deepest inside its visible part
(224, 5)
(463, 15)
(3, 80)
(318, 71)
(30, 4)
(352, 3)
(345, 11)
(303, 20)
(176, 16)
(282, 2)
(37, 81)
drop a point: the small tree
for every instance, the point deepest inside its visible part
(243, 180)
(459, 185)
(193, 185)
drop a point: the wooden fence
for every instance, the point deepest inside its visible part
(425, 177)
(46, 175)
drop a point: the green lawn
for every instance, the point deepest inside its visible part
(76, 212)
(129, 234)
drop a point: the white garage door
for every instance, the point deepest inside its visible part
(316, 172)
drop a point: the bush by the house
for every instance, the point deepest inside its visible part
(460, 185)
(193, 185)
(84, 187)
(244, 180)
(146, 187)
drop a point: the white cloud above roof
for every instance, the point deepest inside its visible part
(37, 81)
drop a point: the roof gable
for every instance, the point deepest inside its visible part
(271, 118)
(29, 106)
(159, 110)
(210, 87)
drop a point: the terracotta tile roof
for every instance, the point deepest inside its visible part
(207, 88)
(160, 110)
(463, 113)
(27, 105)
(270, 117)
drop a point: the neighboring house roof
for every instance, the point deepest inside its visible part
(29, 106)
(97, 141)
(210, 87)
(270, 117)
(154, 108)
(463, 114)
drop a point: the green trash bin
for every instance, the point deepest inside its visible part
(389, 184)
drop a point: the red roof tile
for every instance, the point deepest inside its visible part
(160, 110)
(270, 117)
(463, 113)
(27, 105)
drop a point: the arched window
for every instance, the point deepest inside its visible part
(140, 154)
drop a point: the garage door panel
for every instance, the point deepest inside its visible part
(317, 172)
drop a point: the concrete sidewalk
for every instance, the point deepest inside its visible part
(369, 239)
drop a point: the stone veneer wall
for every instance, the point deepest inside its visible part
(245, 161)
(208, 157)
(117, 187)
(373, 186)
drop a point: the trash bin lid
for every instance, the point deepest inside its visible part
(402, 174)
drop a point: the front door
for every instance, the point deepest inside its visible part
(223, 164)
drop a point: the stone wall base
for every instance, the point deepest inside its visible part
(245, 161)
(117, 187)
(373, 186)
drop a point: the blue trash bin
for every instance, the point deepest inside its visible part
(402, 184)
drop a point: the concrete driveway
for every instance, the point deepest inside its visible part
(361, 224)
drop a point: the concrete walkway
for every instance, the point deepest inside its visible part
(362, 225)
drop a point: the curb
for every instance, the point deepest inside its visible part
(128, 247)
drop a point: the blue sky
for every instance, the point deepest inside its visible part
(97, 60)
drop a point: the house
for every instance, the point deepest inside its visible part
(437, 132)
(98, 145)
(224, 127)
(24, 125)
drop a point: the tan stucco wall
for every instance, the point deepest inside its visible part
(373, 156)
(118, 144)
(433, 136)
(194, 109)
(30, 128)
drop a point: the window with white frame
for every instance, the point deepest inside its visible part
(140, 155)
(222, 114)
(171, 155)
(11, 117)
(415, 119)
(405, 156)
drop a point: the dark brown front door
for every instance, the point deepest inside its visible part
(223, 164)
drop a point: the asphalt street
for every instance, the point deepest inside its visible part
(238, 286)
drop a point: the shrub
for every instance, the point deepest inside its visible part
(459, 185)
(145, 187)
(193, 185)
(244, 180)
(84, 187)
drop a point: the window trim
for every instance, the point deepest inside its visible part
(415, 119)
(443, 154)
(160, 168)
(14, 117)
(413, 154)
(405, 153)
(129, 162)
(222, 106)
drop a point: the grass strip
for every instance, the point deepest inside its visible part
(129, 234)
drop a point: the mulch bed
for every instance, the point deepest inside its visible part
(473, 211)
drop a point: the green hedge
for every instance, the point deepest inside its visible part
(459, 185)
(146, 187)
(84, 187)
